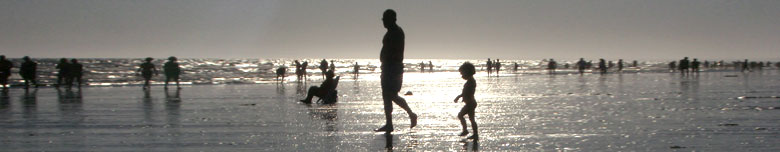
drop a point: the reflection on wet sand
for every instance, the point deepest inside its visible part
(329, 113)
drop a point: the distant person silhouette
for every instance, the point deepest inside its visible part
(147, 69)
(392, 57)
(281, 72)
(172, 71)
(695, 66)
(602, 66)
(673, 66)
(298, 72)
(75, 72)
(430, 66)
(620, 65)
(467, 73)
(422, 66)
(356, 70)
(62, 73)
(684, 65)
(745, 66)
(28, 72)
(5, 71)
(323, 67)
(497, 65)
(327, 86)
(634, 64)
(551, 65)
(303, 69)
(581, 65)
(333, 65)
(489, 65)
(516, 67)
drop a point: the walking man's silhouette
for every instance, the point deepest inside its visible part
(392, 57)
(28, 72)
(74, 74)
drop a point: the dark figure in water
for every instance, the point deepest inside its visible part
(430, 66)
(602, 66)
(172, 72)
(62, 74)
(5, 71)
(634, 64)
(695, 66)
(516, 67)
(684, 66)
(745, 66)
(673, 66)
(467, 73)
(497, 65)
(356, 70)
(551, 65)
(332, 66)
(298, 72)
(323, 67)
(489, 65)
(422, 67)
(147, 69)
(303, 69)
(281, 72)
(581, 65)
(566, 66)
(75, 73)
(392, 57)
(327, 86)
(620, 65)
(28, 72)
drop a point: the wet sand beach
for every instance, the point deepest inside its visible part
(617, 112)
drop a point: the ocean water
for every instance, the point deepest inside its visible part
(637, 111)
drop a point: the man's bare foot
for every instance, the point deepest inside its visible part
(385, 128)
(413, 118)
(475, 137)
(463, 133)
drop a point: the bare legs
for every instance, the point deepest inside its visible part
(390, 98)
(470, 111)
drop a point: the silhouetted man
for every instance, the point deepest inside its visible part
(392, 57)
(581, 65)
(75, 73)
(172, 71)
(684, 65)
(497, 65)
(489, 65)
(28, 72)
(602, 66)
(147, 69)
(327, 86)
(323, 67)
(620, 65)
(62, 73)
(5, 71)
(551, 65)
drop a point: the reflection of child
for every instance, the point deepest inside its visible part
(467, 73)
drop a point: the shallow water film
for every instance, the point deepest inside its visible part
(714, 111)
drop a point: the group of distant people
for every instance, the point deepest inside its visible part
(423, 66)
(171, 69)
(68, 72)
(494, 65)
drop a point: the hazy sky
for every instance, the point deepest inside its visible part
(511, 29)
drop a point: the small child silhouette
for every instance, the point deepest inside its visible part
(467, 71)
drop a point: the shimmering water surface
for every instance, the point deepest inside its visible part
(716, 111)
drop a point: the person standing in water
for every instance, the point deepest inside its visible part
(489, 65)
(147, 69)
(172, 71)
(581, 65)
(467, 73)
(551, 65)
(497, 65)
(430, 66)
(356, 70)
(392, 57)
(28, 72)
(75, 73)
(5, 71)
(62, 74)
(620, 65)
(323, 67)
(602, 66)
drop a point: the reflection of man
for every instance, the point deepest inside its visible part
(392, 57)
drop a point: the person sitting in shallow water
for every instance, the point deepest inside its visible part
(327, 86)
